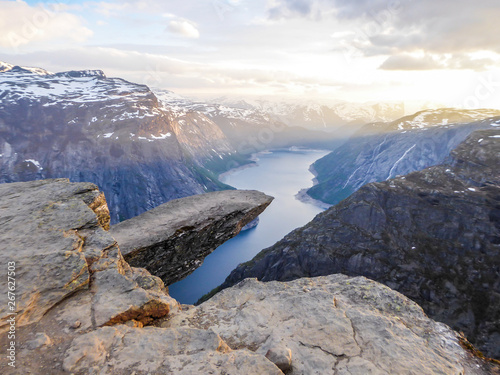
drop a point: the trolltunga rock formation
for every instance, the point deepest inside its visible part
(172, 240)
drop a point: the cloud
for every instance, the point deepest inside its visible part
(162, 71)
(24, 25)
(289, 8)
(437, 61)
(408, 62)
(109, 9)
(465, 61)
(184, 28)
(444, 26)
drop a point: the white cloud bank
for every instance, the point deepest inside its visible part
(183, 28)
(23, 25)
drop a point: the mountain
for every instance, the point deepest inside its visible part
(319, 116)
(380, 151)
(249, 128)
(433, 235)
(87, 127)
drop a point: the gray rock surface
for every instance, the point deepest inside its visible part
(332, 325)
(40, 222)
(172, 240)
(433, 235)
(59, 248)
(123, 350)
(41, 339)
(281, 357)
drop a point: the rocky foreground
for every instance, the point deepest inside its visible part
(433, 235)
(82, 309)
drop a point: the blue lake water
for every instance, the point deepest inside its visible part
(281, 174)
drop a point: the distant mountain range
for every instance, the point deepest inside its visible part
(87, 127)
(257, 127)
(381, 151)
(316, 116)
(142, 148)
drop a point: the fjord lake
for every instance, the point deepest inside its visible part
(281, 174)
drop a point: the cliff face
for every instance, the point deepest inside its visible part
(433, 235)
(381, 151)
(172, 240)
(82, 309)
(87, 127)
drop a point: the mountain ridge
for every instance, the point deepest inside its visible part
(433, 235)
(380, 151)
(85, 126)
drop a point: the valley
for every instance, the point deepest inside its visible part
(235, 187)
(279, 173)
(415, 198)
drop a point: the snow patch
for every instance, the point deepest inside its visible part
(162, 136)
(350, 177)
(35, 163)
(399, 160)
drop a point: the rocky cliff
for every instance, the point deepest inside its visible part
(87, 127)
(433, 235)
(82, 309)
(381, 151)
(172, 240)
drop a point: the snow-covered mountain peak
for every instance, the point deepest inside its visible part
(6, 67)
(179, 106)
(82, 73)
(443, 117)
(69, 88)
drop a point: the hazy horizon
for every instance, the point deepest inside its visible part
(442, 53)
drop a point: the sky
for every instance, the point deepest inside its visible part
(439, 52)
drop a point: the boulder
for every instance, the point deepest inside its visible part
(40, 223)
(53, 231)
